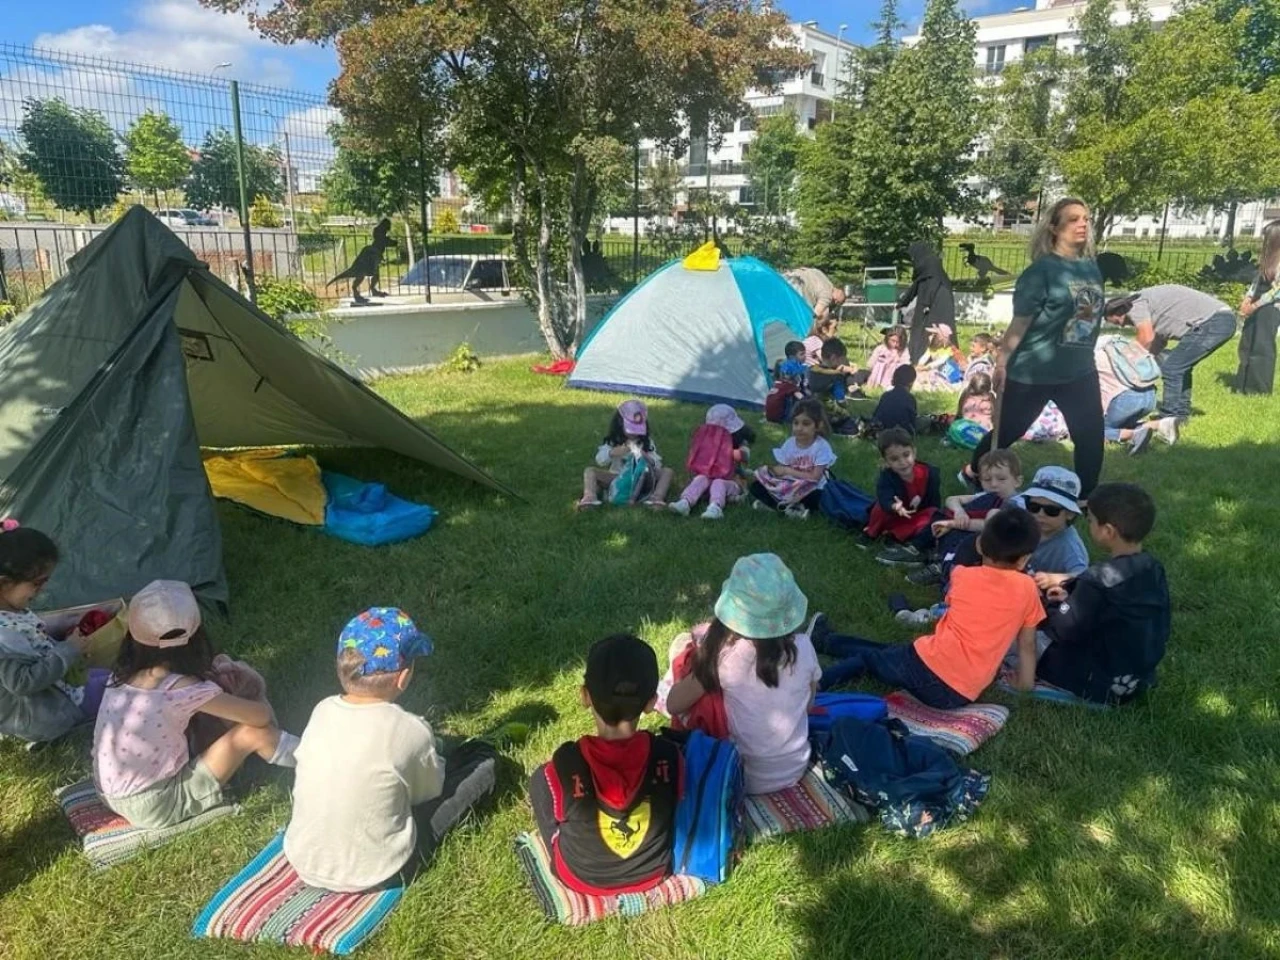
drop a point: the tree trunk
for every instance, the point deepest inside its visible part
(1102, 218)
(544, 283)
(408, 240)
(579, 219)
(1229, 241)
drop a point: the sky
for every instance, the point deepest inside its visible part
(181, 35)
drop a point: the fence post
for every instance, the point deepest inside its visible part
(1164, 230)
(244, 192)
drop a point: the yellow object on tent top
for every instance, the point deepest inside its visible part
(706, 257)
(270, 482)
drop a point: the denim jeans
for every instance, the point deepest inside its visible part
(1126, 409)
(895, 664)
(1177, 364)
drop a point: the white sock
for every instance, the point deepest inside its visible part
(283, 757)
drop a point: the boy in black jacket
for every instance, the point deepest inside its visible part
(605, 805)
(1109, 626)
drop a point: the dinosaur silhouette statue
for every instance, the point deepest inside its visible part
(984, 265)
(368, 263)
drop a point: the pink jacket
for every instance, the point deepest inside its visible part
(883, 362)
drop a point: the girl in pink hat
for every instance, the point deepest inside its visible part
(628, 468)
(716, 463)
(942, 366)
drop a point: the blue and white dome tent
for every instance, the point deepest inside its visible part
(699, 329)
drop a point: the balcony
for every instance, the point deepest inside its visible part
(719, 168)
(818, 79)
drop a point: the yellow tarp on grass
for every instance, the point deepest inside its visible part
(268, 481)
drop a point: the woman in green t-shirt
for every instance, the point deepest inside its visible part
(1047, 352)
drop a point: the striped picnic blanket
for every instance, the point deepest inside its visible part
(961, 730)
(809, 805)
(108, 838)
(266, 901)
(1047, 691)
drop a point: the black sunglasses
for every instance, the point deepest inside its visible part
(1048, 509)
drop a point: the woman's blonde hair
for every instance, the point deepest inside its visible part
(1045, 238)
(1269, 258)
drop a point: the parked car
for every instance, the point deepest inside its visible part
(458, 274)
(185, 217)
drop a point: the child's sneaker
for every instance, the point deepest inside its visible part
(713, 512)
(761, 505)
(930, 575)
(1167, 429)
(797, 512)
(1138, 442)
(586, 503)
(864, 542)
(900, 554)
(969, 481)
(680, 506)
(914, 618)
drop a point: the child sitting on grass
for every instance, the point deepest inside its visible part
(988, 604)
(372, 789)
(794, 484)
(908, 496)
(1108, 627)
(830, 380)
(36, 702)
(792, 366)
(627, 440)
(164, 677)
(978, 401)
(767, 672)
(897, 409)
(605, 805)
(717, 456)
(942, 365)
(887, 357)
(981, 362)
(1054, 500)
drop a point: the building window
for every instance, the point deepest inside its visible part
(1037, 43)
(1129, 231)
(813, 122)
(746, 196)
(818, 75)
(769, 110)
(646, 158)
(746, 151)
(995, 58)
(747, 124)
(698, 150)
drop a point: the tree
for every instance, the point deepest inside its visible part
(543, 98)
(1019, 157)
(893, 164)
(73, 154)
(376, 177)
(661, 187)
(1110, 159)
(214, 181)
(775, 155)
(262, 213)
(869, 64)
(155, 157)
(446, 221)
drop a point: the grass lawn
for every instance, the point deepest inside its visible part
(1152, 831)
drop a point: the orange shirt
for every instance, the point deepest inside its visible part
(987, 606)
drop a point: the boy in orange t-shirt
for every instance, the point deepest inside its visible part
(988, 605)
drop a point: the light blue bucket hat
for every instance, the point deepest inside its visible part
(760, 599)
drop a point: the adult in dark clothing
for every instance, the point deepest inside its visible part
(1261, 312)
(935, 300)
(1047, 352)
(1200, 323)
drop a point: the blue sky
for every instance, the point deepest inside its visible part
(181, 35)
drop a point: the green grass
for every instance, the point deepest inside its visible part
(1152, 831)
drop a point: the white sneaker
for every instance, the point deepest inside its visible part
(679, 506)
(1167, 429)
(713, 512)
(1138, 442)
(797, 512)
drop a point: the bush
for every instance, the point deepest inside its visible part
(264, 214)
(7, 312)
(1152, 274)
(279, 298)
(446, 221)
(462, 360)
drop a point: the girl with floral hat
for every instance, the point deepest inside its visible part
(755, 655)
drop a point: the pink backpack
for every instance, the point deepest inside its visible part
(711, 453)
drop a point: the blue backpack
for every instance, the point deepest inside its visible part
(845, 505)
(709, 815)
(965, 433)
(1132, 365)
(829, 707)
(636, 480)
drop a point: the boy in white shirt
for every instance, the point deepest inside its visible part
(371, 788)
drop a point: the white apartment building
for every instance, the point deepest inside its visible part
(809, 95)
(1007, 37)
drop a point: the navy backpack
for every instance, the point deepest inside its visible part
(845, 505)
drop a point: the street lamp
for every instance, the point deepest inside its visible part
(224, 65)
(635, 212)
(288, 170)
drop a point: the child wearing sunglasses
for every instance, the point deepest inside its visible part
(1054, 500)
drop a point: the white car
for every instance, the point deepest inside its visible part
(184, 217)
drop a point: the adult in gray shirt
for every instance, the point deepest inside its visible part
(1200, 323)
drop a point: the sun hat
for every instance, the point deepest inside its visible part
(387, 639)
(635, 418)
(164, 613)
(723, 415)
(760, 599)
(941, 329)
(1057, 485)
(622, 671)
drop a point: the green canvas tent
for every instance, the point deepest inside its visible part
(114, 380)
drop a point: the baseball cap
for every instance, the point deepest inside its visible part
(622, 673)
(1057, 485)
(941, 329)
(387, 639)
(635, 418)
(164, 613)
(723, 415)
